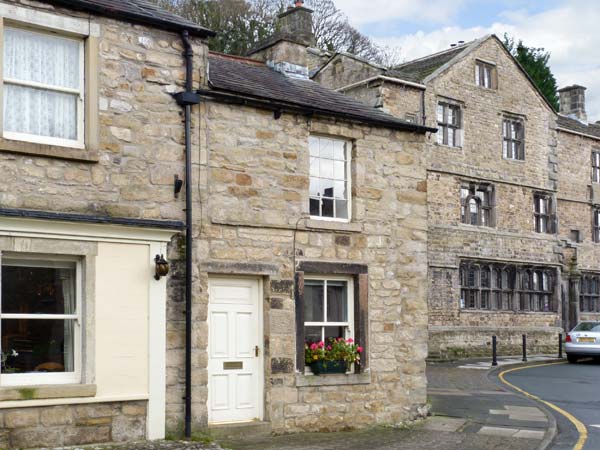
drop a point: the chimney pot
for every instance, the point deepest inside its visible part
(461, 42)
(452, 45)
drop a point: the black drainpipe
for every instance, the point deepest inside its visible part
(187, 99)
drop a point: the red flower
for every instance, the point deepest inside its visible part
(349, 341)
(329, 347)
(359, 349)
(321, 344)
(313, 346)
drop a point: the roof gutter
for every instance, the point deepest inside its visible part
(274, 105)
(382, 78)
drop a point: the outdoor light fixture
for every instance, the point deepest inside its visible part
(162, 267)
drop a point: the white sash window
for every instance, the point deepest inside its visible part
(43, 95)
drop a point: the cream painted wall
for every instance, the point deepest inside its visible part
(121, 319)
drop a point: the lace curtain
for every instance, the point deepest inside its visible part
(52, 61)
(67, 279)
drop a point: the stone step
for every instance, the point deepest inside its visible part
(224, 432)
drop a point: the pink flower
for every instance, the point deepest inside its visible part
(340, 339)
(313, 346)
(349, 341)
(321, 344)
(329, 347)
(359, 349)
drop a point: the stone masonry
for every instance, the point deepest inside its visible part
(130, 175)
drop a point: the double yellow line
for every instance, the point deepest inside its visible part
(581, 429)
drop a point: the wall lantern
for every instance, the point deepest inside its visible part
(162, 267)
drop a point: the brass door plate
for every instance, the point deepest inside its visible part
(233, 365)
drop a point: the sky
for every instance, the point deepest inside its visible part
(568, 29)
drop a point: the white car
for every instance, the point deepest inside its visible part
(583, 341)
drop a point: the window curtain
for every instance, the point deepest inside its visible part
(50, 60)
(67, 279)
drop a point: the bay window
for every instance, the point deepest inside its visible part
(40, 320)
(43, 87)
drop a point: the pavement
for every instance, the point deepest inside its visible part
(470, 411)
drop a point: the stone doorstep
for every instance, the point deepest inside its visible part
(239, 430)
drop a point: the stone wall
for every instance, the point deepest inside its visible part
(254, 194)
(513, 239)
(54, 426)
(140, 149)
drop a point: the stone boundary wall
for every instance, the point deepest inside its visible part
(65, 425)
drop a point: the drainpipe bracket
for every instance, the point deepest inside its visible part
(187, 98)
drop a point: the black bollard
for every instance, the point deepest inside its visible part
(494, 352)
(560, 345)
(524, 347)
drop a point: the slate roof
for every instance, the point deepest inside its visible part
(578, 127)
(255, 80)
(419, 69)
(140, 11)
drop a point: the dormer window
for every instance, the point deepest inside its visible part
(485, 75)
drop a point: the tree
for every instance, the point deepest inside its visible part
(535, 62)
(242, 24)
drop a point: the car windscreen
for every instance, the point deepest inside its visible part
(588, 326)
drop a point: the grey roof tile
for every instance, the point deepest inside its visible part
(421, 68)
(575, 125)
(256, 80)
(141, 11)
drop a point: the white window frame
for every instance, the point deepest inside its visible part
(48, 140)
(349, 324)
(29, 379)
(348, 179)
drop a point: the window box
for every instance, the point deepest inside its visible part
(328, 367)
(348, 379)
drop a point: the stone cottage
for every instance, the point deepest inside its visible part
(91, 140)
(286, 211)
(510, 208)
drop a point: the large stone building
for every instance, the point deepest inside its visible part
(305, 215)
(512, 222)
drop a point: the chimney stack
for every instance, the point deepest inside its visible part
(286, 50)
(572, 102)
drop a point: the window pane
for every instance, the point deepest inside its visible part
(313, 301)
(30, 345)
(440, 135)
(334, 333)
(38, 290)
(339, 170)
(440, 113)
(314, 167)
(337, 301)
(339, 150)
(40, 112)
(341, 209)
(313, 144)
(313, 334)
(314, 207)
(327, 187)
(326, 148)
(451, 136)
(41, 58)
(314, 188)
(340, 189)
(326, 168)
(327, 208)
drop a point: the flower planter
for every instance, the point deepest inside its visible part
(328, 367)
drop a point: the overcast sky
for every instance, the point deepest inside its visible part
(569, 29)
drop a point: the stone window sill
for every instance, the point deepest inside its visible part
(499, 311)
(49, 151)
(42, 392)
(333, 380)
(350, 227)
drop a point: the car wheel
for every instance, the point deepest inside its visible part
(572, 359)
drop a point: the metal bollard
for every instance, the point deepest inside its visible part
(560, 341)
(494, 352)
(524, 348)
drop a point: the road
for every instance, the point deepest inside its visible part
(574, 388)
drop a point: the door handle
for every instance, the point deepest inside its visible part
(256, 351)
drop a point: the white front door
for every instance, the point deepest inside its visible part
(235, 371)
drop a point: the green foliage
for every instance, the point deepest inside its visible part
(334, 350)
(535, 62)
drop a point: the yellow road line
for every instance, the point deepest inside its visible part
(581, 429)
